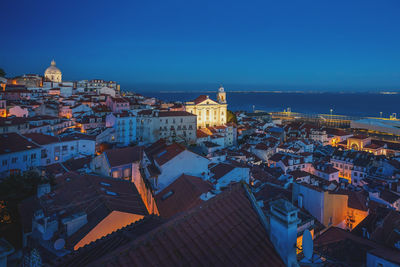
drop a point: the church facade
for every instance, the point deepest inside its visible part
(209, 112)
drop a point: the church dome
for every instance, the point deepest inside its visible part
(52, 69)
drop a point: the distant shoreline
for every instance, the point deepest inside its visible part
(264, 92)
(361, 104)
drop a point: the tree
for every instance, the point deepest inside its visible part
(2, 73)
(231, 117)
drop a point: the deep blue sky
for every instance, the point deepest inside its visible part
(309, 45)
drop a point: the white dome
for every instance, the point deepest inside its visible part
(52, 69)
(53, 73)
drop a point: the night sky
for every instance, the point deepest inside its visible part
(282, 45)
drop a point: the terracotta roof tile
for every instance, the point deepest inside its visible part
(168, 153)
(195, 238)
(122, 156)
(185, 194)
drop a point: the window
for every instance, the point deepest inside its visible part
(127, 172)
(14, 160)
(25, 158)
(167, 195)
(72, 148)
(57, 149)
(4, 163)
(64, 148)
(56, 158)
(33, 156)
(43, 153)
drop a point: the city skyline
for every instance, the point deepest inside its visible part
(197, 46)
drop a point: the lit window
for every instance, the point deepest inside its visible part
(56, 158)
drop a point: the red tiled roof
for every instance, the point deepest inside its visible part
(168, 153)
(185, 194)
(224, 231)
(155, 147)
(341, 244)
(122, 156)
(90, 253)
(201, 134)
(221, 170)
(13, 142)
(200, 99)
(262, 146)
(75, 193)
(42, 139)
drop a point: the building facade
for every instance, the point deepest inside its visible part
(125, 127)
(209, 112)
(173, 126)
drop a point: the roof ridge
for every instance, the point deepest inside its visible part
(108, 236)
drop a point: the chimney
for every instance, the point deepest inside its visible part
(283, 230)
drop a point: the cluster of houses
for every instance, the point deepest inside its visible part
(141, 182)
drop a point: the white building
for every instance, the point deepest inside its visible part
(59, 149)
(173, 126)
(125, 127)
(19, 153)
(174, 160)
(225, 173)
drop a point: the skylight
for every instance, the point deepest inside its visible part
(111, 193)
(105, 184)
(167, 195)
(162, 153)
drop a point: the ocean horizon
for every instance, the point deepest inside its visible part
(359, 104)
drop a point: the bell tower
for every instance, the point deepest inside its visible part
(221, 96)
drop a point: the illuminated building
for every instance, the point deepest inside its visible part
(3, 108)
(53, 73)
(209, 112)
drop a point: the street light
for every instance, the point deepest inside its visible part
(381, 114)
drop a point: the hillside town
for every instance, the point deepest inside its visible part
(123, 179)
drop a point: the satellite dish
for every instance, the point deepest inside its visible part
(307, 245)
(59, 244)
(47, 235)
